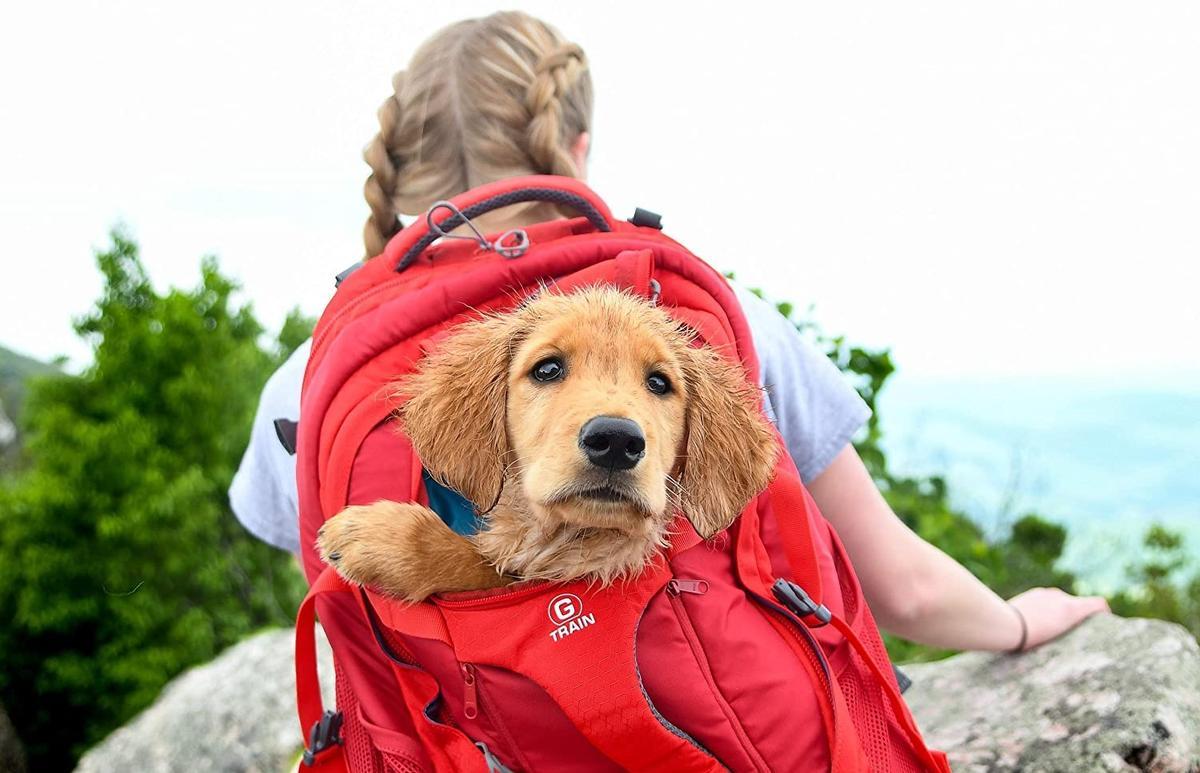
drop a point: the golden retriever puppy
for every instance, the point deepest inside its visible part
(579, 424)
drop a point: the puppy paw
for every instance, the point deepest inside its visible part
(380, 545)
(403, 550)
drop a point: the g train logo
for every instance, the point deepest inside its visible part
(566, 613)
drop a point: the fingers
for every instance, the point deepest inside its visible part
(1092, 605)
(1051, 612)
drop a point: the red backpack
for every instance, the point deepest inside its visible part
(751, 651)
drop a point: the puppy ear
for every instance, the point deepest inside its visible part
(455, 414)
(730, 451)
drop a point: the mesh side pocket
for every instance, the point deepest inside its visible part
(862, 699)
(395, 762)
(904, 758)
(360, 752)
(886, 744)
(388, 751)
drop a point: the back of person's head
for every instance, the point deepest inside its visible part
(482, 100)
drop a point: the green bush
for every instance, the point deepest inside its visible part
(1159, 585)
(123, 564)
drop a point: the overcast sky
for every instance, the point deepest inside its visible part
(1009, 189)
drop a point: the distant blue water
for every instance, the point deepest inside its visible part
(1105, 461)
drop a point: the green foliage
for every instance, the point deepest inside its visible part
(123, 564)
(297, 328)
(1159, 586)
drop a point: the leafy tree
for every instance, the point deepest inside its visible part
(123, 564)
(1158, 585)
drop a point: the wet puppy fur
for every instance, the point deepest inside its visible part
(579, 424)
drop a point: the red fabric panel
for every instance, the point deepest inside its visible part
(590, 673)
(516, 718)
(755, 670)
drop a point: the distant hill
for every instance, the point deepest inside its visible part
(15, 372)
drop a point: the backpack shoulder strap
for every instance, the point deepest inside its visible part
(319, 728)
(794, 511)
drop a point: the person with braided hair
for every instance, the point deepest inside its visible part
(507, 95)
(521, 104)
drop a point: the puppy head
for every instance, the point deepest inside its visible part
(599, 408)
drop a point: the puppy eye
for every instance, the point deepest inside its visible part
(549, 369)
(658, 383)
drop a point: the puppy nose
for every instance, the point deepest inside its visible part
(612, 443)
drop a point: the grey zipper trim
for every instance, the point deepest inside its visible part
(494, 765)
(674, 730)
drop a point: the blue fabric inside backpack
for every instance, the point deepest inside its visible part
(451, 506)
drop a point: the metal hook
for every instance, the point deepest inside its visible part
(511, 244)
(655, 292)
(456, 213)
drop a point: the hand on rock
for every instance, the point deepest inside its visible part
(1050, 612)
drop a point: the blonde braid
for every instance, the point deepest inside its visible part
(555, 76)
(380, 188)
(481, 100)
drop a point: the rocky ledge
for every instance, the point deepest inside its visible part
(235, 714)
(1113, 695)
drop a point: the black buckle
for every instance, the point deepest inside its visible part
(646, 219)
(285, 430)
(323, 736)
(796, 599)
(337, 280)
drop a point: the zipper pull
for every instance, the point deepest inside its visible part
(698, 587)
(470, 692)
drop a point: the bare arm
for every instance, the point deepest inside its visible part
(918, 592)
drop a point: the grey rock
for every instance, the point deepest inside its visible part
(237, 713)
(12, 754)
(1113, 695)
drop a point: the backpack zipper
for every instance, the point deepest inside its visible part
(675, 587)
(433, 712)
(350, 306)
(475, 703)
(801, 633)
(527, 588)
(494, 765)
(470, 692)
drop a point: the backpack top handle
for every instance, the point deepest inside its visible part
(408, 245)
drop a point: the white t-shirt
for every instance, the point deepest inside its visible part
(807, 397)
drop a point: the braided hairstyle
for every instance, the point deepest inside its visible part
(482, 100)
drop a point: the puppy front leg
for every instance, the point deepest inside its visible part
(404, 550)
